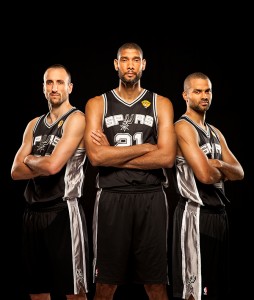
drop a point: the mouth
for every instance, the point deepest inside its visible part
(130, 74)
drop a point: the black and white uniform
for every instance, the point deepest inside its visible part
(200, 233)
(54, 226)
(130, 216)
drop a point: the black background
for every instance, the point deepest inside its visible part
(169, 61)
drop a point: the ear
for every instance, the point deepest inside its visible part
(184, 94)
(70, 88)
(143, 64)
(116, 64)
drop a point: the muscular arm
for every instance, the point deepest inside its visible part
(188, 147)
(106, 155)
(229, 165)
(19, 169)
(206, 170)
(73, 137)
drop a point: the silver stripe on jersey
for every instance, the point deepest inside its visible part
(185, 181)
(74, 175)
(95, 231)
(190, 247)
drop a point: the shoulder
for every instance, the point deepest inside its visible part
(216, 130)
(162, 100)
(76, 118)
(31, 126)
(94, 106)
(213, 128)
(77, 114)
(94, 101)
(32, 122)
(184, 127)
(164, 107)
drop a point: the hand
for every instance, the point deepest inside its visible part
(27, 159)
(99, 138)
(216, 163)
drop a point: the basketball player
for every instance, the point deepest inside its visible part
(200, 234)
(51, 158)
(130, 215)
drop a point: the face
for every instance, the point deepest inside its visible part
(130, 66)
(56, 86)
(198, 96)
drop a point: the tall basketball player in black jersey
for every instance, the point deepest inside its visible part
(200, 233)
(130, 215)
(52, 157)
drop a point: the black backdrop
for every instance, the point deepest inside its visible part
(91, 66)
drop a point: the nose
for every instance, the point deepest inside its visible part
(204, 95)
(130, 65)
(54, 87)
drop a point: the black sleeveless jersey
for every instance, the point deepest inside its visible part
(67, 183)
(127, 124)
(188, 185)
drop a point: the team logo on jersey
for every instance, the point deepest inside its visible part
(44, 143)
(127, 121)
(60, 123)
(146, 103)
(190, 282)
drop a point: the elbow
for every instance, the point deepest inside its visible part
(169, 165)
(14, 175)
(168, 161)
(51, 169)
(94, 162)
(96, 158)
(238, 176)
(241, 174)
(206, 178)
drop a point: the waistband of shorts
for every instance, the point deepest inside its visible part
(39, 206)
(204, 209)
(134, 189)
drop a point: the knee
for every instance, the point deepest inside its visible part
(104, 291)
(156, 291)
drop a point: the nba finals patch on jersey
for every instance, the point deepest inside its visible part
(146, 103)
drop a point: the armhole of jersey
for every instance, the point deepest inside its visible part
(104, 108)
(155, 110)
(212, 130)
(37, 122)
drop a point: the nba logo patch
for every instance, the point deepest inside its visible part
(96, 272)
(205, 291)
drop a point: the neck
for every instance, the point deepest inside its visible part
(197, 117)
(129, 93)
(55, 112)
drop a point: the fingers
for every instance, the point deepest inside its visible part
(99, 138)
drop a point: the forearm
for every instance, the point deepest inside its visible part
(153, 160)
(38, 165)
(22, 172)
(116, 156)
(230, 171)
